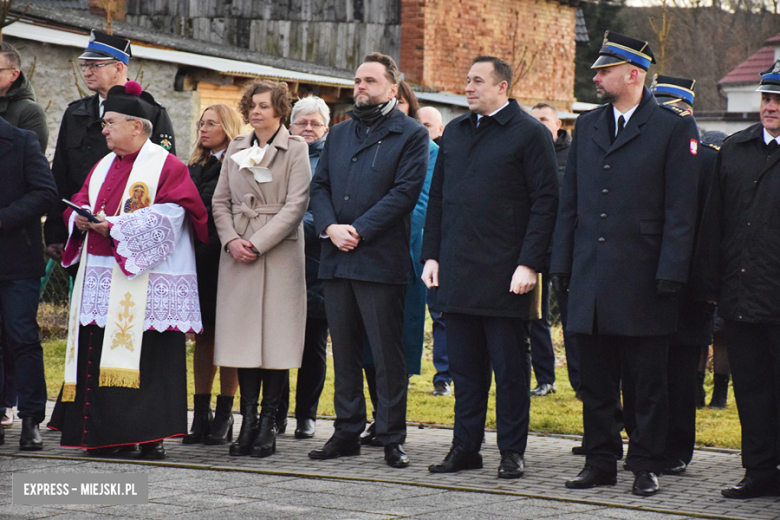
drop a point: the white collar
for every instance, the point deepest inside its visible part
(630, 112)
(218, 154)
(768, 137)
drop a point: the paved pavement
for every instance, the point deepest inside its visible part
(204, 481)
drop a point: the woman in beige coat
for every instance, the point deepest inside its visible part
(258, 206)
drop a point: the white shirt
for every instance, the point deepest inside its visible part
(768, 138)
(616, 114)
(218, 154)
(100, 106)
(492, 113)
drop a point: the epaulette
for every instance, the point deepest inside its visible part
(677, 110)
(713, 146)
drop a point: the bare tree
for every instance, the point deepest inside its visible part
(111, 9)
(662, 34)
(5, 12)
(521, 63)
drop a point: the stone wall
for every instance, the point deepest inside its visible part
(55, 88)
(440, 38)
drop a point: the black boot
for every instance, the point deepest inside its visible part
(720, 391)
(201, 420)
(31, 435)
(249, 428)
(700, 390)
(2, 435)
(265, 443)
(221, 430)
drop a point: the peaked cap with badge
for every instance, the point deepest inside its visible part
(104, 46)
(668, 89)
(770, 79)
(618, 49)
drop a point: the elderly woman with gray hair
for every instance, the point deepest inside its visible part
(310, 118)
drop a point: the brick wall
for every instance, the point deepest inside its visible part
(440, 38)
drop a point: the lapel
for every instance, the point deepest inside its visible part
(633, 128)
(754, 136)
(602, 128)
(280, 142)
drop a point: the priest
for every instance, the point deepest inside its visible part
(135, 295)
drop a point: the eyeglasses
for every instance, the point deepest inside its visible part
(109, 125)
(207, 124)
(304, 124)
(93, 67)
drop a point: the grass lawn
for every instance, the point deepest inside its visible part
(556, 413)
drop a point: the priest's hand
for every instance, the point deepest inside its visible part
(523, 280)
(242, 250)
(103, 228)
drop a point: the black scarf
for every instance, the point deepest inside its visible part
(373, 115)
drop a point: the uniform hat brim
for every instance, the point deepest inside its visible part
(94, 55)
(605, 60)
(769, 87)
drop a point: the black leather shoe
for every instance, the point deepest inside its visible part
(645, 484)
(591, 477)
(395, 456)
(31, 435)
(512, 465)
(579, 450)
(306, 429)
(336, 448)
(674, 467)
(368, 436)
(2, 435)
(457, 459)
(250, 425)
(753, 487)
(152, 451)
(281, 425)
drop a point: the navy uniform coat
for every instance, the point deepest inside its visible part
(693, 329)
(492, 207)
(80, 145)
(27, 191)
(627, 219)
(371, 181)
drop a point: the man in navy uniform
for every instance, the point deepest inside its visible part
(80, 143)
(736, 265)
(622, 248)
(695, 318)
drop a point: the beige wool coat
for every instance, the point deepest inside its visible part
(261, 306)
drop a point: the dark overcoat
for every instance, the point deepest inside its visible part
(27, 191)
(371, 181)
(693, 328)
(738, 254)
(205, 177)
(627, 219)
(492, 207)
(80, 145)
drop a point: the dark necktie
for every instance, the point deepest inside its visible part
(620, 124)
(771, 147)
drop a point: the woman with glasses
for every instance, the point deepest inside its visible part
(218, 125)
(259, 203)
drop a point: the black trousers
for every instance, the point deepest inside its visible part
(641, 362)
(358, 311)
(311, 375)
(754, 356)
(683, 363)
(474, 343)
